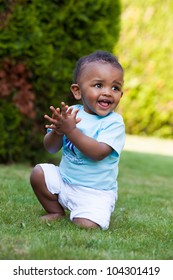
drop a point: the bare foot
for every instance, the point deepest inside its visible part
(52, 217)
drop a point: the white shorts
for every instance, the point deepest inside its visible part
(92, 204)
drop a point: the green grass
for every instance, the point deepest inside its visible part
(141, 226)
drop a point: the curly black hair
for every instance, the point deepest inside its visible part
(97, 56)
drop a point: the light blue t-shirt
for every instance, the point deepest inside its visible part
(78, 169)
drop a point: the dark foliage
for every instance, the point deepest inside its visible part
(42, 40)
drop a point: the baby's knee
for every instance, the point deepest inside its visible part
(85, 223)
(36, 175)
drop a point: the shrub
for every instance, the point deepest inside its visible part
(145, 49)
(47, 37)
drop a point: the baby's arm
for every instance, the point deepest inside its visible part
(88, 146)
(53, 141)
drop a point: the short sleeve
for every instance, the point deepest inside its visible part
(113, 134)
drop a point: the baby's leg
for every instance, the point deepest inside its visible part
(47, 199)
(85, 223)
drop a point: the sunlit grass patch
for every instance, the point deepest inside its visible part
(140, 228)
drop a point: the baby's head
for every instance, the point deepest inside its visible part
(98, 82)
(97, 56)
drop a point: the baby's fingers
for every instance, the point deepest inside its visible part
(51, 126)
(70, 110)
(51, 120)
(78, 120)
(75, 116)
(55, 112)
(64, 109)
(54, 119)
(75, 113)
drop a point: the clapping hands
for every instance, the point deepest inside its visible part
(63, 120)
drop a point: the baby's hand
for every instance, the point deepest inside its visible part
(54, 120)
(62, 121)
(69, 119)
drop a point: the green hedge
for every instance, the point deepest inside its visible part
(47, 37)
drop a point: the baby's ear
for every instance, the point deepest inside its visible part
(75, 89)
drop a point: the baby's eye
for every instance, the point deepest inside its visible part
(98, 85)
(115, 88)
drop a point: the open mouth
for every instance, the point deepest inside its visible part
(104, 103)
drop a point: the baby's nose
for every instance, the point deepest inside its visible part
(106, 92)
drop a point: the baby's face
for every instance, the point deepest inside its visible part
(100, 86)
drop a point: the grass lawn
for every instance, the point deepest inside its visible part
(141, 226)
